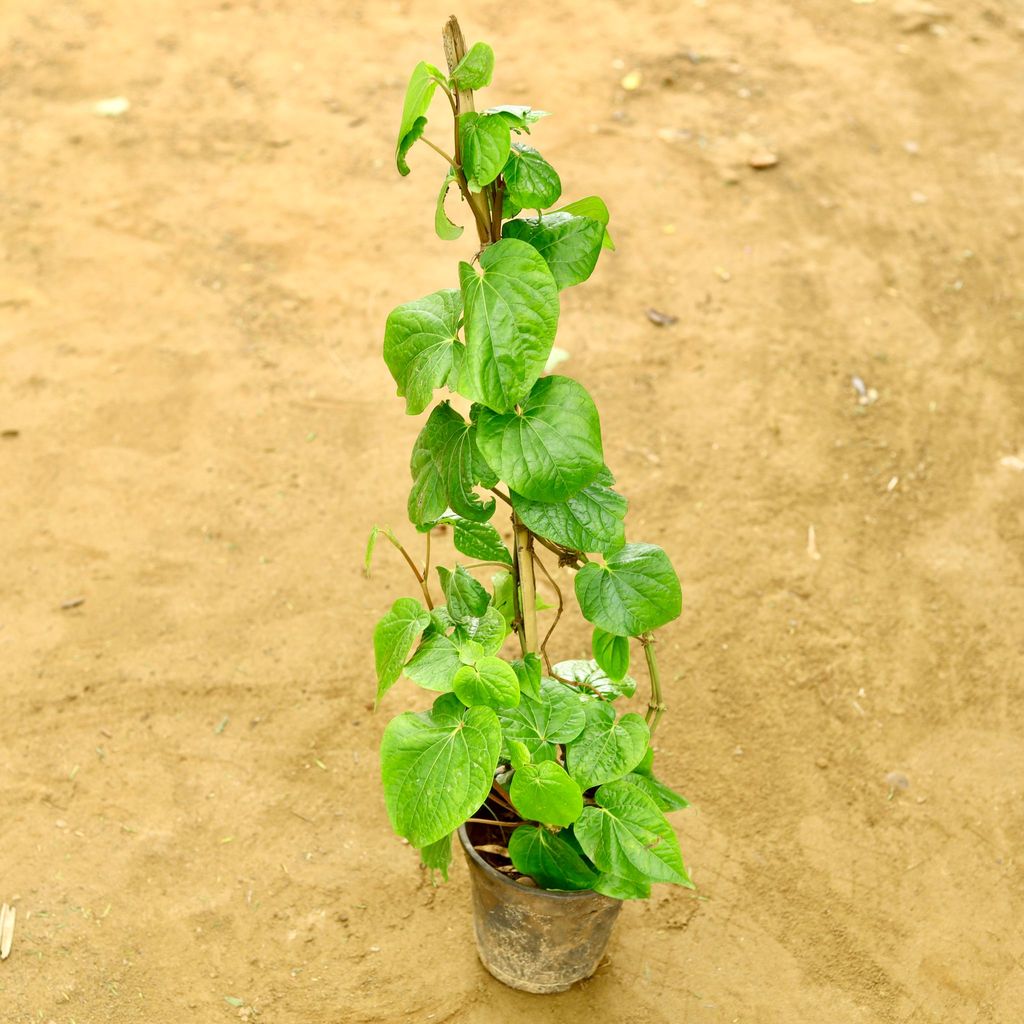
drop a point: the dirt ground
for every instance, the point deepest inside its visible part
(198, 432)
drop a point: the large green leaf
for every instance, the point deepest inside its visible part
(480, 541)
(570, 244)
(626, 835)
(418, 95)
(634, 591)
(544, 792)
(620, 888)
(557, 717)
(548, 859)
(611, 652)
(443, 226)
(551, 447)
(445, 467)
(530, 180)
(488, 630)
(475, 69)
(665, 798)
(437, 767)
(420, 339)
(438, 856)
(518, 116)
(607, 748)
(435, 663)
(465, 597)
(393, 638)
(594, 208)
(490, 682)
(511, 314)
(485, 141)
(589, 520)
(591, 677)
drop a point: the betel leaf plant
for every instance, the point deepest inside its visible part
(523, 743)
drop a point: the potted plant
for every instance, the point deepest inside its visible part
(550, 791)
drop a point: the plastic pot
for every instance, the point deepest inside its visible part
(533, 939)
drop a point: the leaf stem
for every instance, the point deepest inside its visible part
(558, 614)
(438, 149)
(655, 707)
(421, 577)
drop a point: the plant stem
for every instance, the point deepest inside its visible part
(421, 577)
(495, 822)
(558, 614)
(655, 707)
(527, 586)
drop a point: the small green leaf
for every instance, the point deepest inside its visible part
(504, 596)
(435, 663)
(611, 652)
(491, 682)
(519, 754)
(570, 244)
(627, 836)
(485, 142)
(465, 597)
(530, 180)
(607, 748)
(371, 544)
(528, 669)
(470, 652)
(551, 448)
(438, 856)
(234, 1001)
(549, 859)
(511, 314)
(480, 541)
(519, 117)
(475, 69)
(444, 228)
(594, 208)
(635, 591)
(418, 95)
(488, 631)
(420, 339)
(437, 767)
(589, 520)
(544, 792)
(557, 717)
(590, 676)
(445, 467)
(393, 638)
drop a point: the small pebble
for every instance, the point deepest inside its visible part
(632, 81)
(822, 762)
(762, 159)
(113, 107)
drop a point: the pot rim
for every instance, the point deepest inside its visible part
(552, 894)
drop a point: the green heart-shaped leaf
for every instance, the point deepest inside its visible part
(636, 590)
(549, 860)
(519, 117)
(593, 207)
(511, 314)
(485, 142)
(611, 652)
(445, 467)
(466, 597)
(528, 669)
(607, 748)
(420, 341)
(488, 630)
(591, 677)
(475, 69)
(393, 638)
(530, 180)
(435, 663)
(443, 226)
(480, 541)
(490, 682)
(589, 520)
(570, 244)
(544, 792)
(557, 717)
(437, 767)
(551, 448)
(418, 94)
(627, 836)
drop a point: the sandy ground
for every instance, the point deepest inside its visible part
(199, 431)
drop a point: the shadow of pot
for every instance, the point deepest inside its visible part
(536, 940)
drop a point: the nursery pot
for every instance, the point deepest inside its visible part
(533, 939)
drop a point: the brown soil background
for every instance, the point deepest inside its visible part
(192, 298)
